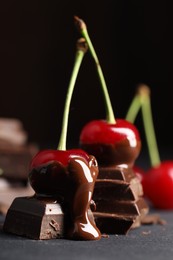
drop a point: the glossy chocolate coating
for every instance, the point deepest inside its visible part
(121, 153)
(118, 192)
(74, 183)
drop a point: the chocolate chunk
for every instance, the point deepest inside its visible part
(116, 173)
(119, 202)
(132, 208)
(35, 218)
(117, 190)
(113, 223)
(38, 218)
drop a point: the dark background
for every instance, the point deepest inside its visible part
(133, 40)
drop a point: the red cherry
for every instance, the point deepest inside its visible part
(47, 156)
(111, 144)
(158, 185)
(100, 131)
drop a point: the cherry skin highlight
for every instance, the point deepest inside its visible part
(100, 131)
(158, 185)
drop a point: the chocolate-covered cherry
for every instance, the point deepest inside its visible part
(112, 144)
(116, 145)
(69, 174)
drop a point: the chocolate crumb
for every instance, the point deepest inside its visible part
(146, 232)
(152, 219)
(105, 235)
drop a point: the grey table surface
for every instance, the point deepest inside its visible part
(146, 242)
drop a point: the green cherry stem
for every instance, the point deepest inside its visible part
(133, 109)
(142, 100)
(144, 93)
(82, 28)
(81, 49)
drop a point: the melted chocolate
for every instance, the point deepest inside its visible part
(120, 153)
(39, 218)
(118, 192)
(73, 185)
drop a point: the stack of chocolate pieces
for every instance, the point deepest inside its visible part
(119, 202)
(15, 152)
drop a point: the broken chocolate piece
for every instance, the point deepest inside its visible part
(119, 202)
(38, 218)
(117, 190)
(35, 218)
(132, 208)
(113, 223)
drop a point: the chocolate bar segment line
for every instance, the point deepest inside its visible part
(116, 173)
(35, 218)
(121, 207)
(116, 189)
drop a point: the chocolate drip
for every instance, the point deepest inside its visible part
(72, 186)
(118, 191)
(39, 218)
